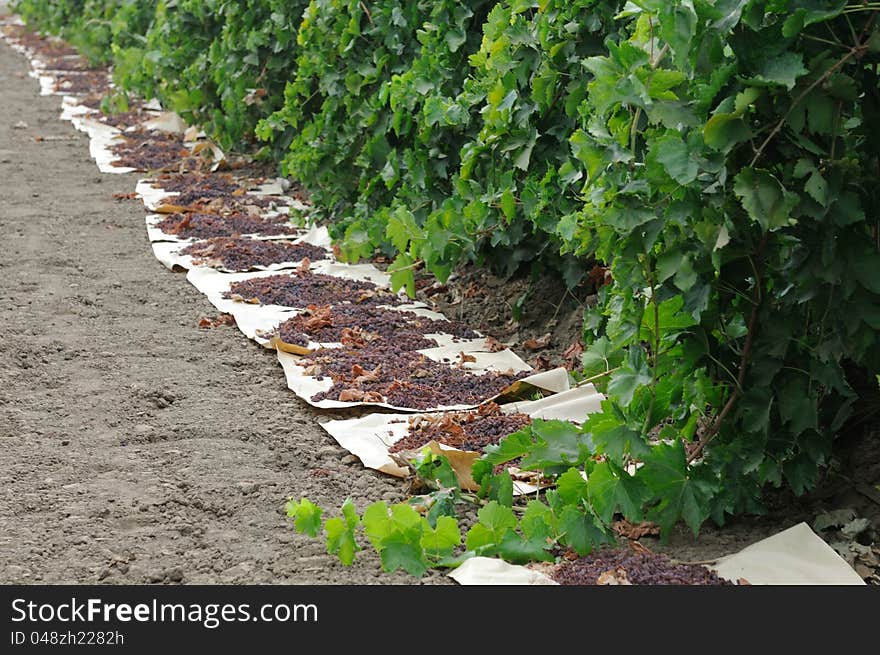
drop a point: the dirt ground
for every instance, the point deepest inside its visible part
(136, 447)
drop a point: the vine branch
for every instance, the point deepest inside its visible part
(857, 49)
(744, 358)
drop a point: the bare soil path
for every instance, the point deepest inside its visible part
(134, 446)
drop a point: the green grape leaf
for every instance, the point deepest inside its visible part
(403, 555)
(511, 447)
(441, 540)
(340, 540)
(479, 537)
(498, 487)
(673, 153)
(684, 492)
(557, 443)
(765, 200)
(306, 515)
(782, 70)
(580, 531)
(514, 548)
(571, 486)
(508, 204)
(611, 489)
(403, 275)
(633, 374)
(538, 521)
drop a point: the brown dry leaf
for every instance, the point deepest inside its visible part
(254, 96)
(541, 363)
(351, 395)
(314, 369)
(613, 577)
(572, 355)
(638, 547)
(352, 338)
(373, 397)
(473, 290)
(447, 424)
(537, 344)
(249, 301)
(294, 349)
(319, 317)
(635, 531)
(125, 196)
(304, 266)
(464, 358)
(361, 376)
(599, 276)
(222, 319)
(488, 409)
(170, 209)
(494, 345)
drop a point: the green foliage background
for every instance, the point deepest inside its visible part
(721, 156)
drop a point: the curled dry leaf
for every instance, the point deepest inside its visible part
(493, 345)
(318, 317)
(473, 290)
(360, 375)
(314, 369)
(353, 338)
(640, 548)
(167, 208)
(572, 355)
(464, 358)
(537, 344)
(635, 531)
(125, 196)
(249, 301)
(304, 266)
(599, 276)
(541, 363)
(613, 577)
(222, 319)
(570, 555)
(351, 395)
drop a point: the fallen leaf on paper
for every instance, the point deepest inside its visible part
(494, 346)
(613, 577)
